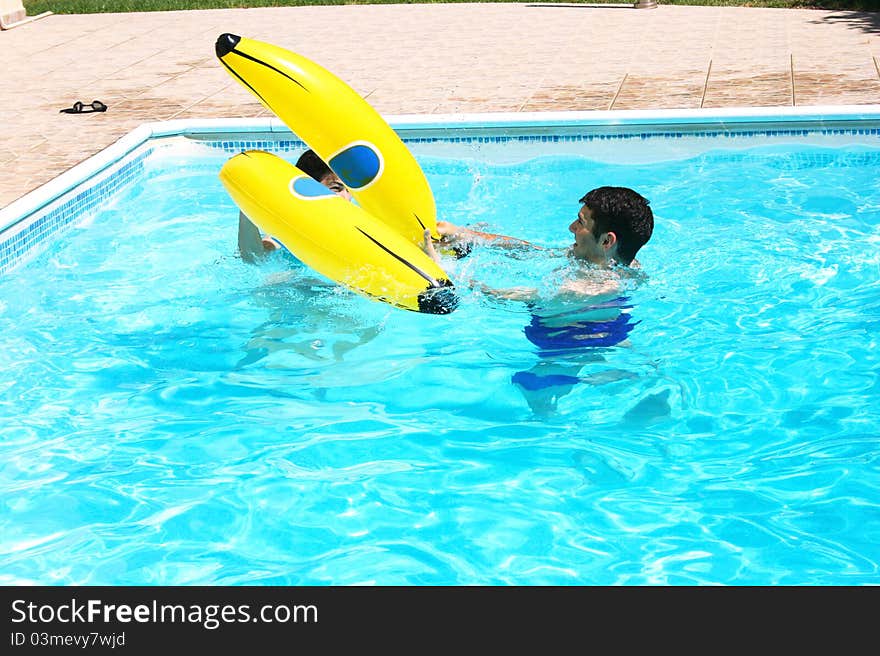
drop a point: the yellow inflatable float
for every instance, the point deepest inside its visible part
(341, 127)
(373, 247)
(335, 237)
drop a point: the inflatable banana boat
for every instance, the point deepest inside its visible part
(371, 248)
(335, 237)
(341, 127)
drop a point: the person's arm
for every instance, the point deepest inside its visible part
(453, 234)
(428, 246)
(251, 245)
(523, 294)
(513, 294)
(570, 291)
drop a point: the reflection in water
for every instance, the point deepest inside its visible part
(308, 317)
(567, 340)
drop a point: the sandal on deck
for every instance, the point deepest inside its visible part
(80, 108)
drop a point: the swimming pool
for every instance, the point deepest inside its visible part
(171, 415)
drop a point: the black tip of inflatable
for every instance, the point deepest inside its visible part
(438, 300)
(225, 44)
(462, 250)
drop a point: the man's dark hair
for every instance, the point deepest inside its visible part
(625, 213)
(312, 165)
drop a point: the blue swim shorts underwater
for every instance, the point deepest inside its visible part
(579, 335)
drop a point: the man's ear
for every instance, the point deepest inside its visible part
(609, 240)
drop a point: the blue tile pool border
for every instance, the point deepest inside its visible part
(21, 240)
(35, 220)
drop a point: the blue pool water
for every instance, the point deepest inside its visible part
(170, 415)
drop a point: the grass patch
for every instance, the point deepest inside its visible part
(107, 6)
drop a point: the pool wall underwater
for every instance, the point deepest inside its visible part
(34, 221)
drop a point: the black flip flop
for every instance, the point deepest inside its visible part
(80, 108)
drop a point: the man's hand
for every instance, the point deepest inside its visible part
(428, 246)
(447, 229)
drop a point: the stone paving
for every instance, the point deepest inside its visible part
(412, 59)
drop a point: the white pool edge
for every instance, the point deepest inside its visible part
(33, 201)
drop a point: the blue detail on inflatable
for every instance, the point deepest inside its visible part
(307, 187)
(357, 166)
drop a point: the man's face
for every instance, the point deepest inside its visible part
(334, 184)
(586, 246)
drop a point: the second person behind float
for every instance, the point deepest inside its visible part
(253, 245)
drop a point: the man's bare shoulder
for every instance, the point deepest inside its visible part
(584, 287)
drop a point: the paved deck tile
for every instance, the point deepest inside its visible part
(421, 59)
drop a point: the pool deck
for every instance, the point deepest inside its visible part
(415, 59)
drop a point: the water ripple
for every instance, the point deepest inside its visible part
(171, 416)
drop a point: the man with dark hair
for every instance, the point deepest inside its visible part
(619, 221)
(253, 246)
(588, 313)
(611, 227)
